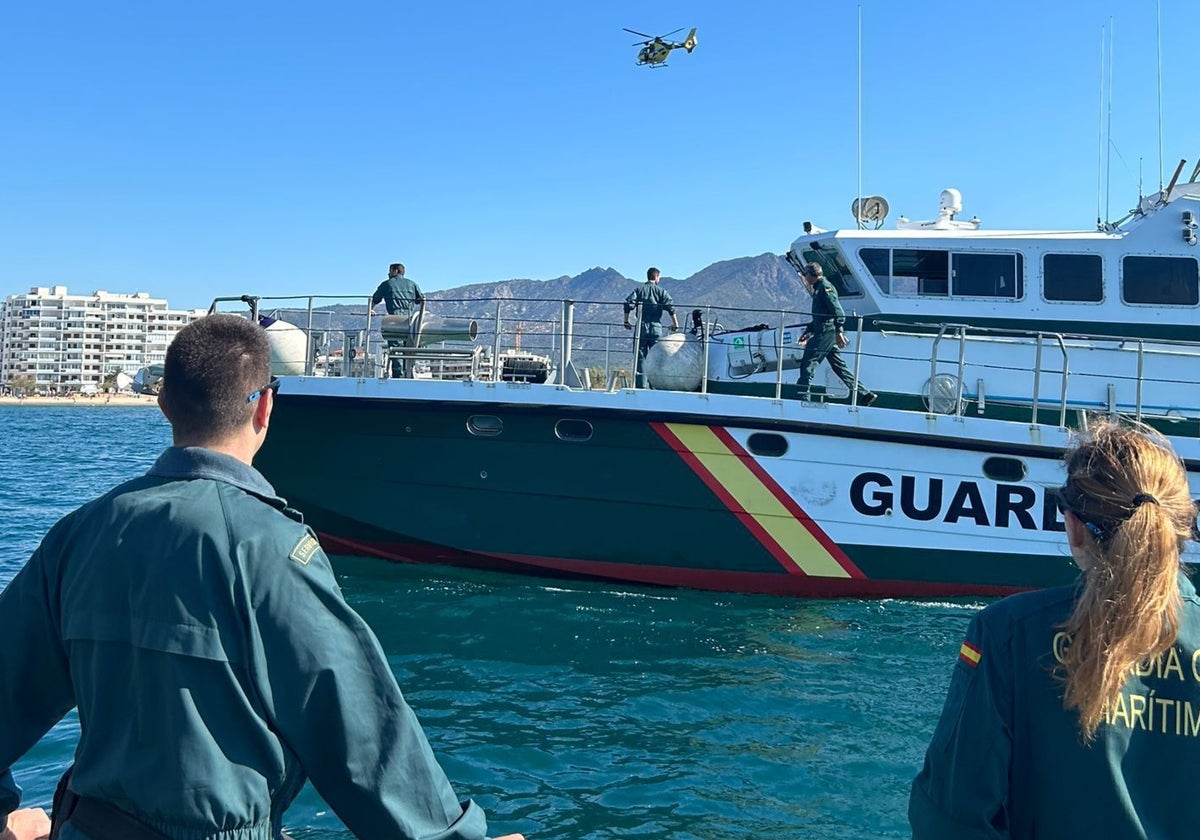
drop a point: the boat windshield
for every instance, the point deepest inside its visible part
(836, 270)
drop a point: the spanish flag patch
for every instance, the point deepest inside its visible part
(970, 654)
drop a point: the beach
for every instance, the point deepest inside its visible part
(119, 400)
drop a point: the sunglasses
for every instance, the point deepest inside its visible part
(1063, 508)
(273, 385)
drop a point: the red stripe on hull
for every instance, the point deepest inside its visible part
(760, 583)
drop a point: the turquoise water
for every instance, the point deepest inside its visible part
(577, 710)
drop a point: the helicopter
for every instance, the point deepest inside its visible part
(656, 48)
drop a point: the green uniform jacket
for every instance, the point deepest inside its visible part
(400, 295)
(826, 308)
(197, 625)
(1006, 759)
(654, 300)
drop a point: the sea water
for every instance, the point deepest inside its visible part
(580, 710)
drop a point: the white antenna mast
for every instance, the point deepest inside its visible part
(1100, 144)
(1158, 8)
(858, 221)
(1108, 148)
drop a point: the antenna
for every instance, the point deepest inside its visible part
(1100, 142)
(1158, 9)
(858, 221)
(1108, 148)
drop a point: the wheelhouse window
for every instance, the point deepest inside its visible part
(836, 270)
(1161, 281)
(926, 272)
(1075, 278)
(920, 271)
(986, 275)
(879, 263)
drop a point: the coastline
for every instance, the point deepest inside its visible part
(103, 400)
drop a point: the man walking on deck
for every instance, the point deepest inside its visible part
(400, 296)
(196, 623)
(825, 336)
(653, 301)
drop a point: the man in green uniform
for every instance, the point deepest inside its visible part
(653, 300)
(824, 336)
(196, 623)
(1134, 780)
(400, 296)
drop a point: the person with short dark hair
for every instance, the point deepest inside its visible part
(653, 300)
(400, 296)
(196, 623)
(825, 335)
(1075, 711)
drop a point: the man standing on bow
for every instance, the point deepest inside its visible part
(653, 301)
(825, 335)
(400, 296)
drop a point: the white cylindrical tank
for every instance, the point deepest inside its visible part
(288, 347)
(675, 363)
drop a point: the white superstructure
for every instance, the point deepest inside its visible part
(63, 342)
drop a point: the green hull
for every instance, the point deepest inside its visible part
(409, 481)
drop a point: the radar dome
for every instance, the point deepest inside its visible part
(675, 363)
(951, 201)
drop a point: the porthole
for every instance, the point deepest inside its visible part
(573, 430)
(485, 425)
(768, 444)
(1004, 469)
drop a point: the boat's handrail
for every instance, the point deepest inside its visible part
(1010, 332)
(564, 334)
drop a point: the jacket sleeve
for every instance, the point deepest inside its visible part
(835, 305)
(962, 790)
(378, 296)
(35, 680)
(630, 301)
(331, 695)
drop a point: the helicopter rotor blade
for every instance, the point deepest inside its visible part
(669, 34)
(635, 32)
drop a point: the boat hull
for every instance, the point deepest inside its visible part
(792, 500)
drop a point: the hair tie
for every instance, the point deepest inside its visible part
(1142, 498)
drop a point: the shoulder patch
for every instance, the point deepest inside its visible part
(970, 654)
(303, 551)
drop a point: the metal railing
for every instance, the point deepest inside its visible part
(585, 330)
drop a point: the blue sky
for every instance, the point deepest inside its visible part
(211, 148)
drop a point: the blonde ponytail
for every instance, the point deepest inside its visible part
(1131, 492)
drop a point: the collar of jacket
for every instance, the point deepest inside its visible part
(197, 462)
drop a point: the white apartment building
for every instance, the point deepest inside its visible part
(64, 342)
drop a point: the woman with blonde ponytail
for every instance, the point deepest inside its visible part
(1075, 711)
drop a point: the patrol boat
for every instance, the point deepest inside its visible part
(714, 478)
